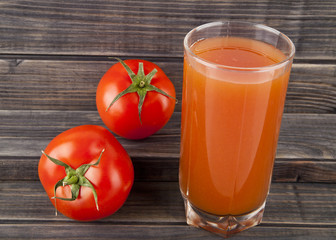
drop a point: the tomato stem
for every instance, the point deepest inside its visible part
(140, 84)
(68, 180)
(75, 179)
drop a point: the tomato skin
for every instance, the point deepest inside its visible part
(122, 117)
(112, 178)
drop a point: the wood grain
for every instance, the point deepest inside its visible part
(52, 56)
(302, 136)
(302, 204)
(154, 28)
(306, 148)
(153, 169)
(153, 232)
(71, 85)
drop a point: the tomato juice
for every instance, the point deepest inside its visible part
(233, 99)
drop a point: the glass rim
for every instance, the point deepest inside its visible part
(233, 68)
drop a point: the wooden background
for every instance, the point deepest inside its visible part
(52, 56)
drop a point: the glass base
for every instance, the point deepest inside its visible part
(224, 226)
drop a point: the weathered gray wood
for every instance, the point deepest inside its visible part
(311, 89)
(154, 232)
(154, 28)
(52, 56)
(71, 85)
(57, 84)
(303, 204)
(306, 149)
(155, 211)
(302, 136)
(166, 169)
(304, 170)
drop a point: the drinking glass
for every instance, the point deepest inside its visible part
(234, 88)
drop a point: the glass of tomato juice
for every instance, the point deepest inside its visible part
(234, 88)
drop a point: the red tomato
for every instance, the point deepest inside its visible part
(135, 106)
(99, 171)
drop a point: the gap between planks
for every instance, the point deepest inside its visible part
(90, 58)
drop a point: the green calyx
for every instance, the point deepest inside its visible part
(141, 84)
(75, 179)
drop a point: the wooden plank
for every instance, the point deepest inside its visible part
(154, 28)
(52, 85)
(71, 85)
(162, 232)
(306, 148)
(149, 203)
(166, 169)
(302, 136)
(303, 170)
(311, 89)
